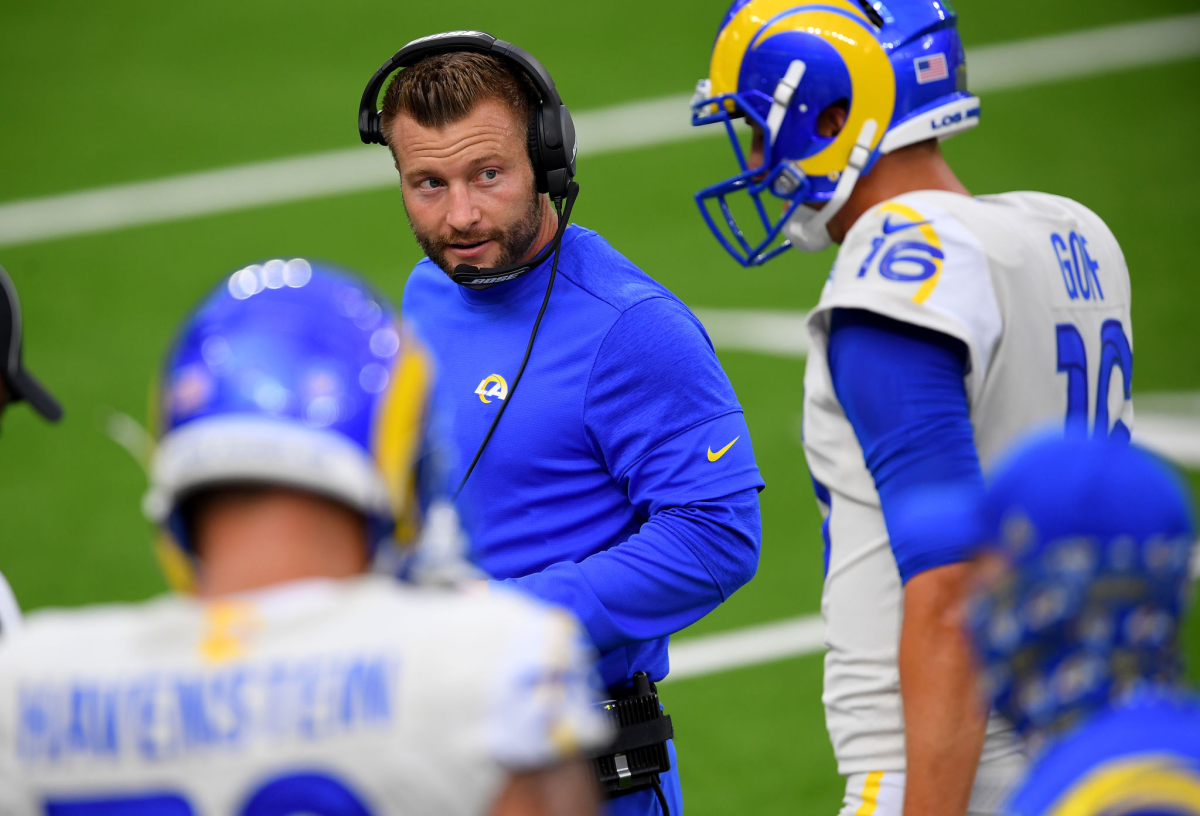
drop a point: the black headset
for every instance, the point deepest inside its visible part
(552, 150)
(552, 144)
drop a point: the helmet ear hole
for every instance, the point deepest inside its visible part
(533, 145)
(832, 120)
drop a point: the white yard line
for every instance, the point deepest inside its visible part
(353, 170)
(605, 130)
(1175, 437)
(764, 331)
(1083, 53)
(751, 646)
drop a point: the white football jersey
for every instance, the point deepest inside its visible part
(323, 697)
(1037, 289)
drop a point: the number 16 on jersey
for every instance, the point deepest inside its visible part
(1115, 352)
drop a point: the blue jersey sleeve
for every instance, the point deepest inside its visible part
(901, 387)
(662, 416)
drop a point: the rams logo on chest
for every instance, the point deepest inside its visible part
(493, 385)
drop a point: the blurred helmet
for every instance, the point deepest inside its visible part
(896, 66)
(290, 374)
(1095, 538)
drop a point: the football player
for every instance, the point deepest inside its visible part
(1084, 584)
(949, 324)
(293, 413)
(17, 384)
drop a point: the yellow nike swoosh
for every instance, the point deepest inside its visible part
(712, 457)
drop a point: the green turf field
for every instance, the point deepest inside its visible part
(106, 93)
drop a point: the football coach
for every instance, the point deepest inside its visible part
(621, 482)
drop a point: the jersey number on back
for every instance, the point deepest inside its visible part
(1072, 361)
(310, 793)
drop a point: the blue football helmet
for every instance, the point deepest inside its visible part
(897, 67)
(292, 374)
(1095, 540)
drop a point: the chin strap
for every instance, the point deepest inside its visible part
(564, 215)
(808, 228)
(467, 275)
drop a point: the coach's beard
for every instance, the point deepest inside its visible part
(514, 242)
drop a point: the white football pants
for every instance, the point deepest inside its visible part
(882, 793)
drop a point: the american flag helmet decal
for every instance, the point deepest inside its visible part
(931, 68)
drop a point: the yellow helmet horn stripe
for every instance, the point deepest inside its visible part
(1128, 786)
(399, 425)
(737, 35)
(175, 564)
(871, 79)
(851, 34)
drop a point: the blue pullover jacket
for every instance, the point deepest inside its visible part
(621, 482)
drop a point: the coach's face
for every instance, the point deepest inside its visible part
(469, 189)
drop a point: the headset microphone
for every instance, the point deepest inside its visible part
(467, 275)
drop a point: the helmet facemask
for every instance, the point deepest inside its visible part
(783, 180)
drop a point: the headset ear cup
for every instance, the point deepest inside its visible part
(534, 144)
